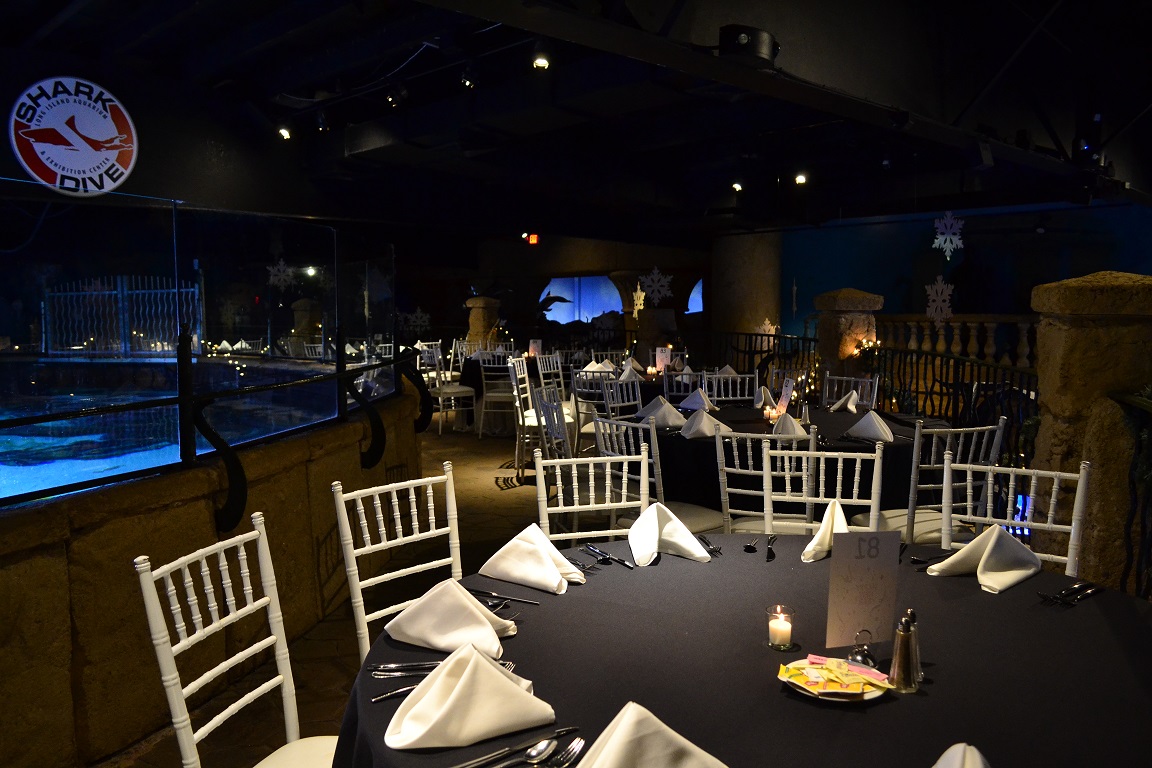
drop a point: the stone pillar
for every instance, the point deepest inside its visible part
(846, 317)
(1094, 337)
(483, 314)
(745, 285)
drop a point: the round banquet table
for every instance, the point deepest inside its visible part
(1025, 682)
(690, 474)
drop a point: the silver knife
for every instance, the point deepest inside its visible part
(494, 756)
(602, 553)
(483, 593)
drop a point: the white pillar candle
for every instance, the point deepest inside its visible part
(780, 632)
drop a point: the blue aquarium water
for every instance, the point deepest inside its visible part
(92, 448)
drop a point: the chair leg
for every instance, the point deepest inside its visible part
(480, 424)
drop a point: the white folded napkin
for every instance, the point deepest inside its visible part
(466, 699)
(631, 362)
(607, 365)
(592, 366)
(763, 399)
(224, 347)
(846, 403)
(350, 350)
(999, 561)
(636, 737)
(727, 371)
(698, 401)
(447, 617)
(630, 374)
(659, 530)
(871, 427)
(788, 427)
(700, 424)
(677, 364)
(532, 559)
(241, 344)
(821, 543)
(961, 755)
(654, 405)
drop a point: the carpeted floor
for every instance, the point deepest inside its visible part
(493, 506)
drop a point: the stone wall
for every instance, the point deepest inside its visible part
(1093, 340)
(78, 675)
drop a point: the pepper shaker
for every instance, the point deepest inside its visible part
(911, 616)
(902, 675)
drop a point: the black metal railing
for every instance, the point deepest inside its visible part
(962, 391)
(761, 352)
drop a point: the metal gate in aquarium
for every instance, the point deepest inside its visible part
(120, 316)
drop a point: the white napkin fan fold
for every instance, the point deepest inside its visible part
(846, 403)
(821, 544)
(636, 737)
(763, 399)
(787, 426)
(871, 427)
(698, 401)
(999, 560)
(466, 699)
(532, 559)
(659, 530)
(448, 617)
(701, 424)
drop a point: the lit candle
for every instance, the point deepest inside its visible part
(779, 632)
(651, 370)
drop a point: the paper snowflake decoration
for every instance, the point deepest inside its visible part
(637, 302)
(280, 275)
(939, 301)
(768, 327)
(656, 286)
(948, 234)
(416, 322)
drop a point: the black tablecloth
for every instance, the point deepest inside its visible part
(1028, 684)
(690, 473)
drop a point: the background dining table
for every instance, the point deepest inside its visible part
(1027, 683)
(690, 472)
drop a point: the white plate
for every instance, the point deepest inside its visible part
(846, 699)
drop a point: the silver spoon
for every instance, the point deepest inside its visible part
(537, 753)
(751, 546)
(770, 555)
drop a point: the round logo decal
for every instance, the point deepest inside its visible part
(74, 136)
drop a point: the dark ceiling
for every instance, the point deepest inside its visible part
(642, 123)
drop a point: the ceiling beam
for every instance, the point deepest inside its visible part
(550, 20)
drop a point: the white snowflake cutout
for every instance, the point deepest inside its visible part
(637, 302)
(939, 301)
(280, 275)
(948, 234)
(768, 327)
(657, 286)
(418, 321)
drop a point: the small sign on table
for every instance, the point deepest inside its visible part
(862, 586)
(663, 358)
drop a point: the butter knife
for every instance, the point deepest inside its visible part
(482, 593)
(613, 558)
(494, 756)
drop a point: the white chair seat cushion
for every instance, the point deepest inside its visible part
(452, 390)
(925, 529)
(312, 752)
(696, 519)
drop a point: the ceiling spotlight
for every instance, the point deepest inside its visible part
(467, 78)
(321, 122)
(737, 186)
(540, 56)
(395, 95)
(285, 133)
(801, 178)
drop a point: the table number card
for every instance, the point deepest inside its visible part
(862, 586)
(535, 347)
(785, 395)
(663, 358)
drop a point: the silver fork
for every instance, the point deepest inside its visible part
(384, 672)
(568, 756)
(582, 566)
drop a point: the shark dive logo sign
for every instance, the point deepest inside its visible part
(74, 136)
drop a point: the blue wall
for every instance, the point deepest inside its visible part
(1003, 258)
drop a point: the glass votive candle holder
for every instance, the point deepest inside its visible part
(780, 624)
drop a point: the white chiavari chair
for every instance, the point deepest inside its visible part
(678, 386)
(498, 394)
(836, 387)
(621, 398)
(1027, 502)
(448, 397)
(211, 589)
(553, 427)
(588, 396)
(730, 390)
(384, 517)
(551, 373)
(624, 438)
(743, 490)
(589, 486)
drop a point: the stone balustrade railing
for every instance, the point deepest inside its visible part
(1007, 340)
